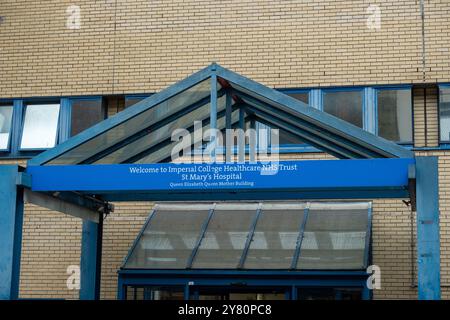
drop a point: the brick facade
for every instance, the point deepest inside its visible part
(139, 46)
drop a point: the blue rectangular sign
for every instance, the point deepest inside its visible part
(166, 177)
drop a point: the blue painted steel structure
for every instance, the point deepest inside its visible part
(91, 257)
(252, 101)
(340, 176)
(11, 219)
(291, 280)
(428, 246)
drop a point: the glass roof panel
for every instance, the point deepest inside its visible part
(225, 237)
(161, 134)
(276, 234)
(335, 237)
(164, 153)
(135, 124)
(169, 238)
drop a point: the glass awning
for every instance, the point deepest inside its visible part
(253, 236)
(220, 99)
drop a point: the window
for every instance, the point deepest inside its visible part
(40, 126)
(395, 114)
(346, 105)
(132, 100)
(6, 112)
(302, 96)
(85, 114)
(444, 112)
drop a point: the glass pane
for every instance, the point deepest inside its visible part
(395, 115)
(169, 238)
(40, 126)
(274, 241)
(135, 124)
(225, 237)
(232, 293)
(155, 293)
(85, 113)
(284, 138)
(334, 237)
(161, 134)
(444, 113)
(129, 101)
(303, 97)
(287, 138)
(5, 126)
(164, 153)
(346, 105)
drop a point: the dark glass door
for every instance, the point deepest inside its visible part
(234, 293)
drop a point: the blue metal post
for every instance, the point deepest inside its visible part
(428, 248)
(90, 265)
(213, 115)
(366, 293)
(11, 220)
(121, 290)
(186, 292)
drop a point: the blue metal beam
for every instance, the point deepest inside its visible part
(367, 250)
(225, 195)
(91, 256)
(249, 238)
(136, 241)
(213, 114)
(428, 248)
(313, 175)
(11, 220)
(298, 245)
(200, 237)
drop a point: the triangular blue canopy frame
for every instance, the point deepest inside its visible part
(229, 93)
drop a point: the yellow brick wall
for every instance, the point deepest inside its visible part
(143, 46)
(426, 113)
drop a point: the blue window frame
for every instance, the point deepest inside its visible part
(18, 125)
(383, 110)
(19, 144)
(6, 113)
(444, 113)
(386, 111)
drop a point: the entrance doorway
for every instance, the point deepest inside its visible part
(250, 251)
(255, 293)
